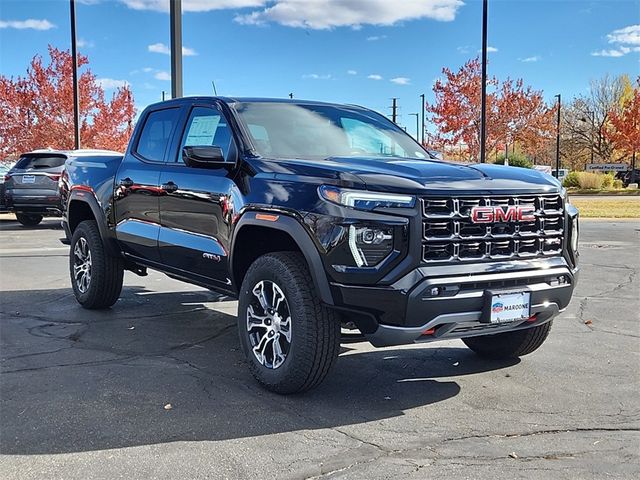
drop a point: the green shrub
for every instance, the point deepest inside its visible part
(617, 184)
(590, 180)
(515, 160)
(607, 181)
(571, 180)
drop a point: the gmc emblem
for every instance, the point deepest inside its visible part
(511, 213)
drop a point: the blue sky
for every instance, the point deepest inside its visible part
(353, 51)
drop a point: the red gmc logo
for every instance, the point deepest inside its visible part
(511, 213)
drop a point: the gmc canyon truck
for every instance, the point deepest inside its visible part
(319, 216)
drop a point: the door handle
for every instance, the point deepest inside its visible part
(169, 187)
(126, 183)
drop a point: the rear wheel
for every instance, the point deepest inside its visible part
(28, 219)
(96, 276)
(289, 338)
(509, 344)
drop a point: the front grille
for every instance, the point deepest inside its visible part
(450, 235)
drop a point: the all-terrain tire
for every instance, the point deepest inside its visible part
(509, 344)
(28, 219)
(106, 272)
(314, 329)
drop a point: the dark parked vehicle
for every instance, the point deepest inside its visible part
(4, 169)
(31, 186)
(317, 216)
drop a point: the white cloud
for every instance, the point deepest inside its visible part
(401, 80)
(164, 49)
(111, 83)
(625, 40)
(327, 14)
(376, 38)
(628, 35)
(315, 76)
(535, 58)
(192, 5)
(82, 43)
(27, 24)
(162, 75)
(375, 76)
(608, 53)
(464, 49)
(352, 72)
(489, 50)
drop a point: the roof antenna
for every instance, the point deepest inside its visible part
(215, 92)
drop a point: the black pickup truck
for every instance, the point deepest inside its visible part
(319, 216)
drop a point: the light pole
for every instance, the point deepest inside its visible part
(483, 95)
(175, 19)
(422, 131)
(558, 138)
(74, 63)
(417, 115)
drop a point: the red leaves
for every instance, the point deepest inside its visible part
(515, 113)
(37, 110)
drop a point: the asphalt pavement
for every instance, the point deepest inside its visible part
(156, 387)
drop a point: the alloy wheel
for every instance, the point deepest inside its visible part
(269, 324)
(82, 265)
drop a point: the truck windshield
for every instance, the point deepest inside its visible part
(309, 131)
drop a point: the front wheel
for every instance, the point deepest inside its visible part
(289, 338)
(509, 344)
(28, 219)
(96, 276)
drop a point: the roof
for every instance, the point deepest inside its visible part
(230, 100)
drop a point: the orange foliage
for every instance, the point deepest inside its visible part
(37, 110)
(515, 113)
(624, 126)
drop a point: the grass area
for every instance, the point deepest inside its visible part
(607, 207)
(587, 191)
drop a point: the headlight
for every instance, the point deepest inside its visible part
(370, 245)
(364, 200)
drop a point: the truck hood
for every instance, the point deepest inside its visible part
(429, 176)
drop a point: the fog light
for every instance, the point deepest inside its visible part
(370, 245)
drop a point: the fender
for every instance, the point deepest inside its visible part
(86, 195)
(291, 226)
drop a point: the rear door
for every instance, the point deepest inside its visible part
(195, 211)
(137, 190)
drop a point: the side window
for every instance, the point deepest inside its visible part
(367, 139)
(206, 126)
(156, 134)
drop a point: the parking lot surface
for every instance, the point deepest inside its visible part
(156, 387)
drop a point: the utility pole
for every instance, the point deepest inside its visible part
(558, 138)
(483, 95)
(417, 115)
(163, 95)
(74, 60)
(422, 131)
(291, 95)
(394, 109)
(175, 19)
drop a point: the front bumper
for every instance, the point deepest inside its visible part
(408, 311)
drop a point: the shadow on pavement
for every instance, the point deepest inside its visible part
(8, 224)
(75, 380)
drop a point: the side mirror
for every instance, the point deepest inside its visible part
(204, 156)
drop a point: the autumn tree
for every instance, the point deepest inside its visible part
(516, 114)
(623, 129)
(37, 110)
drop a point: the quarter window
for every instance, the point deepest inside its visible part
(156, 134)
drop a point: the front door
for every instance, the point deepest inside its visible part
(195, 210)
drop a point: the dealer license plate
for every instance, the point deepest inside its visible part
(28, 179)
(510, 307)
